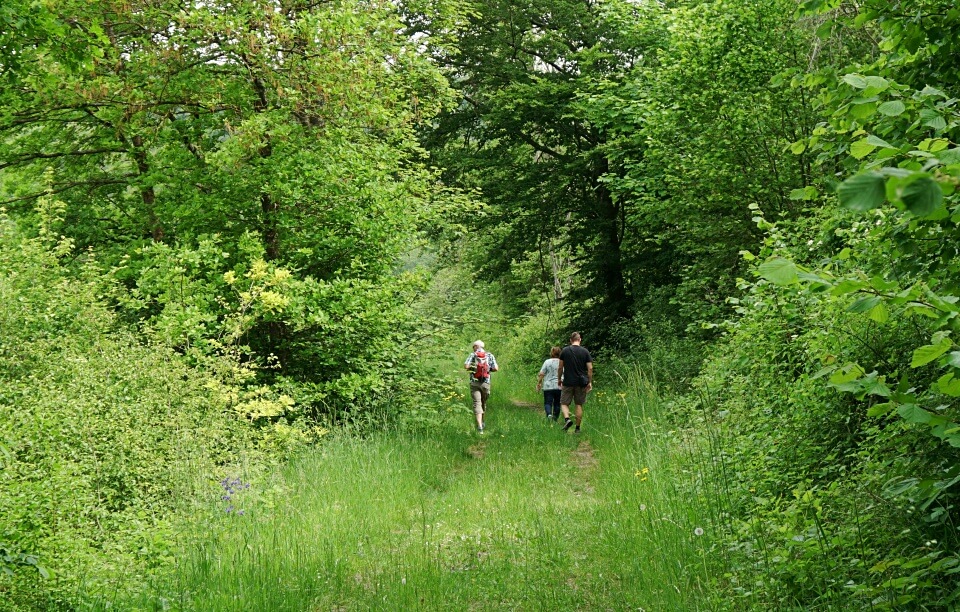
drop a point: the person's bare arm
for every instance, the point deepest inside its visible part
(560, 373)
(589, 375)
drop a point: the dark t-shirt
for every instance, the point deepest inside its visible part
(575, 359)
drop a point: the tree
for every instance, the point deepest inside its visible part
(280, 131)
(702, 137)
(521, 136)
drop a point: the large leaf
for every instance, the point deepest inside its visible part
(879, 142)
(892, 108)
(862, 192)
(922, 196)
(950, 156)
(927, 353)
(855, 80)
(861, 149)
(865, 304)
(779, 271)
(912, 413)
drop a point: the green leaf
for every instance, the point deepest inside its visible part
(798, 194)
(933, 91)
(798, 147)
(847, 285)
(949, 385)
(901, 487)
(892, 108)
(876, 84)
(937, 123)
(779, 271)
(847, 373)
(922, 196)
(934, 145)
(874, 386)
(949, 156)
(855, 80)
(862, 192)
(879, 142)
(863, 111)
(861, 148)
(864, 304)
(880, 409)
(930, 352)
(879, 313)
(911, 413)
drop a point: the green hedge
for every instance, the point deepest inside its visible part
(103, 440)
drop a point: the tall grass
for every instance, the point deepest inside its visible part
(526, 516)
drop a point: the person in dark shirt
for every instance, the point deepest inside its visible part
(575, 373)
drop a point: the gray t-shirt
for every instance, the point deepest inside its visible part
(549, 370)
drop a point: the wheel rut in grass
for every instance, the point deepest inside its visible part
(585, 461)
(583, 458)
(478, 450)
(522, 404)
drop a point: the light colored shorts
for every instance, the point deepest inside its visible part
(479, 392)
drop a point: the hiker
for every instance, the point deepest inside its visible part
(576, 379)
(480, 365)
(547, 381)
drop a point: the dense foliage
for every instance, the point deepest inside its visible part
(247, 170)
(757, 202)
(104, 441)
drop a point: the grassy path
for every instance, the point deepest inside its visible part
(524, 517)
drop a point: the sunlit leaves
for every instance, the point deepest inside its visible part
(779, 271)
(892, 108)
(931, 352)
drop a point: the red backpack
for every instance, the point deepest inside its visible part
(482, 373)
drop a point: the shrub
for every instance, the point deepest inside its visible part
(102, 439)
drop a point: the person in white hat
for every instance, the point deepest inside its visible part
(481, 364)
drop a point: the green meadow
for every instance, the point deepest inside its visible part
(523, 517)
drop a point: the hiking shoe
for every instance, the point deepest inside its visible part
(479, 430)
(567, 425)
(577, 430)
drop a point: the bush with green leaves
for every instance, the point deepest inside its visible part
(103, 440)
(802, 476)
(832, 401)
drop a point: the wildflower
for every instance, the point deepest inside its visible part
(643, 507)
(698, 531)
